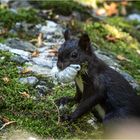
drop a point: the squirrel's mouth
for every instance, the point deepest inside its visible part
(66, 75)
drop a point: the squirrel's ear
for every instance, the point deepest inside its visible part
(67, 34)
(84, 42)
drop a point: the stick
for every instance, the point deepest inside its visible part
(6, 124)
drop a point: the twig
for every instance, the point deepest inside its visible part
(6, 124)
(57, 111)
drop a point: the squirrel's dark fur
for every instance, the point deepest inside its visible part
(102, 85)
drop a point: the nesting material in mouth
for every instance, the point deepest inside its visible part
(66, 75)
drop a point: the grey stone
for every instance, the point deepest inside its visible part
(19, 44)
(28, 28)
(42, 89)
(43, 62)
(29, 80)
(24, 54)
(18, 59)
(130, 79)
(14, 4)
(4, 47)
(45, 71)
(134, 16)
(106, 59)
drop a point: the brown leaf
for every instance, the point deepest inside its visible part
(35, 53)
(53, 52)
(124, 2)
(5, 119)
(111, 9)
(26, 70)
(111, 38)
(3, 31)
(25, 94)
(6, 79)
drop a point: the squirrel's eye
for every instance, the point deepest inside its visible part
(74, 55)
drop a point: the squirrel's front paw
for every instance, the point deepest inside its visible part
(62, 101)
(66, 117)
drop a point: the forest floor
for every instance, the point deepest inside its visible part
(28, 94)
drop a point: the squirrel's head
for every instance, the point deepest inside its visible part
(74, 51)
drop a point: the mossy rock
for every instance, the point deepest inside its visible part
(8, 18)
(62, 7)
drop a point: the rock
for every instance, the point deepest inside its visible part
(16, 43)
(42, 89)
(4, 1)
(134, 16)
(4, 47)
(45, 71)
(28, 28)
(51, 27)
(130, 79)
(51, 31)
(18, 59)
(14, 4)
(29, 80)
(107, 59)
(42, 62)
(42, 83)
(25, 55)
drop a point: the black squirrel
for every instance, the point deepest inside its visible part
(101, 85)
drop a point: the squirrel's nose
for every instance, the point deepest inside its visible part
(60, 65)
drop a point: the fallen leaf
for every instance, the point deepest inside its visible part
(34, 40)
(6, 79)
(52, 52)
(111, 38)
(121, 58)
(35, 53)
(124, 2)
(40, 39)
(111, 9)
(25, 94)
(25, 70)
(5, 119)
(3, 31)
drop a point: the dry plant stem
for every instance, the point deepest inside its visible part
(58, 121)
(6, 124)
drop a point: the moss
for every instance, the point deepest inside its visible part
(125, 25)
(125, 45)
(9, 18)
(63, 7)
(38, 115)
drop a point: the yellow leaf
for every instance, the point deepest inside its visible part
(35, 53)
(6, 79)
(25, 94)
(121, 58)
(40, 39)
